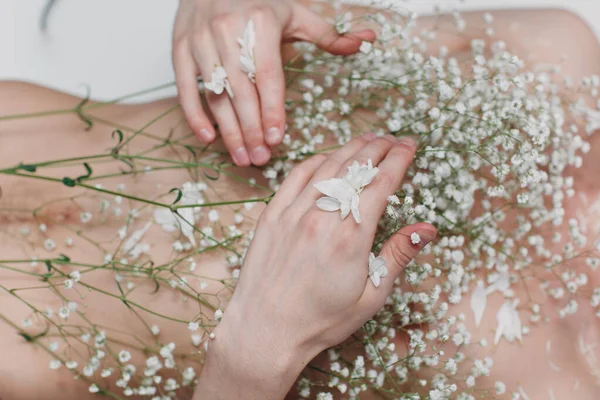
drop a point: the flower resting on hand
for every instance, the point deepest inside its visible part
(343, 194)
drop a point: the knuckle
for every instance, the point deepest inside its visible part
(405, 148)
(267, 218)
(253, 137)
(222, 23)
(268, 72)
(385, 179)
(400, 253)
(310, 224)
(200, 38)
(299, 173)
(261, 14)
(180, 46)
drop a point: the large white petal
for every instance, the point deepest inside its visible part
(375, 279)
(165, 218)
(135, 238)
(328, 187)
(247, 64)
(478, 303)
(328, 204)
(383, 271)
(216, 87)
(354, 207)
(345, 210)
(369, 175)
(376, 264)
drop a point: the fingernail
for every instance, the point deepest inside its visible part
(260, 155)
(205, 135)
(240, 157)
(409, 141)
(273, 135)
(369, 136)
(426, 236)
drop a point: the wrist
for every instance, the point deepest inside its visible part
(242, 363)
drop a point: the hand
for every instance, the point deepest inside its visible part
(205, 35)
(304, 284)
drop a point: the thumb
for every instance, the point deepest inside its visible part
(404, 245)
(308, 26)
(397, 252)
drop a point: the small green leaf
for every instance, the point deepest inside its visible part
(191, 150)
(63, 258)
(48, 265)
(28, 167)
(179, 194)
(213, 178)
(88, 170)
(68, 182)
(119, 133)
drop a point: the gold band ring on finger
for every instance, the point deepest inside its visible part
(343, 194)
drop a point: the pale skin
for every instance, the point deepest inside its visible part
(236, 341)
(205, 35)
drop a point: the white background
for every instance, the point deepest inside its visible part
(117, 47)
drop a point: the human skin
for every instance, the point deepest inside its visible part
(205, 35)
(25, 363)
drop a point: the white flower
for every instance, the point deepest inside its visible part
(247, 51)
(219, 82)
(94, 388)
(343, 194)
(340, 196)
(184, 220)
(49, 244)
(55, 364)
(193, 326)
(478, 302)
(360, 176)
(366, 47)
(509, 323)
(415, 238)
(124, 356)
(377, 269)
(85, 217)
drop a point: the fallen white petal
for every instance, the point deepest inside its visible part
(135, 238)
(509, 322)
(165, 218)
(186, 221)
(478, 303)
